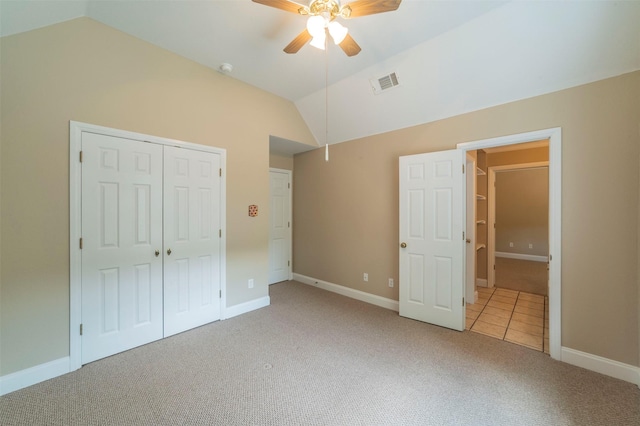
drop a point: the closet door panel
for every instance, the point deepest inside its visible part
(192, 190)
(121, 231)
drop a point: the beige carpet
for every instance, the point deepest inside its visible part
(317, 358)
(522, 275)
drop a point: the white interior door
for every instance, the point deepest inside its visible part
(121, 232)
(192, 191)
(279, 226)
(432, 213)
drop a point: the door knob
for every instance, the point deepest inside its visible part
(157, 253)
(169, 252)
(468, 241)
(403, 245)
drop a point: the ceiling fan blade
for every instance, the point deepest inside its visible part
(289, 6)
(349, 46)
(297, 43)
(370, 7)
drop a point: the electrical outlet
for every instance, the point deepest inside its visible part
(365, 277)
(510, 244)
(530, 246)
(251, 283)
(391, 282)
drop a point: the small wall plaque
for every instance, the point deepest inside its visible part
(253, 210)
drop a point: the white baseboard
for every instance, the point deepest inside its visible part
(30, 376)
(481, 282)
(383, 302)
(475, 296)
(243, 308)
(522, 256)
(608, 367)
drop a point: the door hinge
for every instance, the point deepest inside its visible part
(81, 156)
(463, 169)
(220, 233)
(288, 224)
(80, 243)
(220, 172)
(220, 294)
(550, 258)
(288, 263)
(463, 236)
(463, 301)
(81, 329)
(289, 185)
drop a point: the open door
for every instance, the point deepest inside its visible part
(432, 240)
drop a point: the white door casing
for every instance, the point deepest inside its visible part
(554, 135)
(432, 216)
(192, 234)
(470, 254)
(122, 230)
(279, 225)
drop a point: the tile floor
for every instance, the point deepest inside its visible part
(514, 316)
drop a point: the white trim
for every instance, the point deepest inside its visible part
(522, 256)
(383, 302)
(243, 308)
(75, 232)
(481, 282)
(289, 174)
(491, 210)
(554, 136)
(471, 225)
(619, 370)
(30, 376)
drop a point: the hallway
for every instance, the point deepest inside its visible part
(514, 316)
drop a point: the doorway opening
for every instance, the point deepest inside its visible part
(512, 212)
(523, 308)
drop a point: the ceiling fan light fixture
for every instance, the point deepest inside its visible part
(316, 25)
(338, 32)
(319, 40)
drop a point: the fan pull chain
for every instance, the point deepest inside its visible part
(326, 99)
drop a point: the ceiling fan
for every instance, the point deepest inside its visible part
(322, 19)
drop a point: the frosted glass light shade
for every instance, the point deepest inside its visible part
(337, 31)
(319, 40)
(316, 25)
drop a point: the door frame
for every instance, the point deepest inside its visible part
(471, 223)
(289, 174)
(554, 135)
(491, 212)
(75, 221)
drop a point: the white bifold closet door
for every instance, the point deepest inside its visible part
(191, 239)
(151, 254)
(121, 232)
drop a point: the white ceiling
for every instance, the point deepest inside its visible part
(452, 56)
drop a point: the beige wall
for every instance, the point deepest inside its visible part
(346, 211)
(84, 71)
(522, 211)
(507, 158)
(281, 162)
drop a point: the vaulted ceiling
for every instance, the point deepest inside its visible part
(450, 56)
